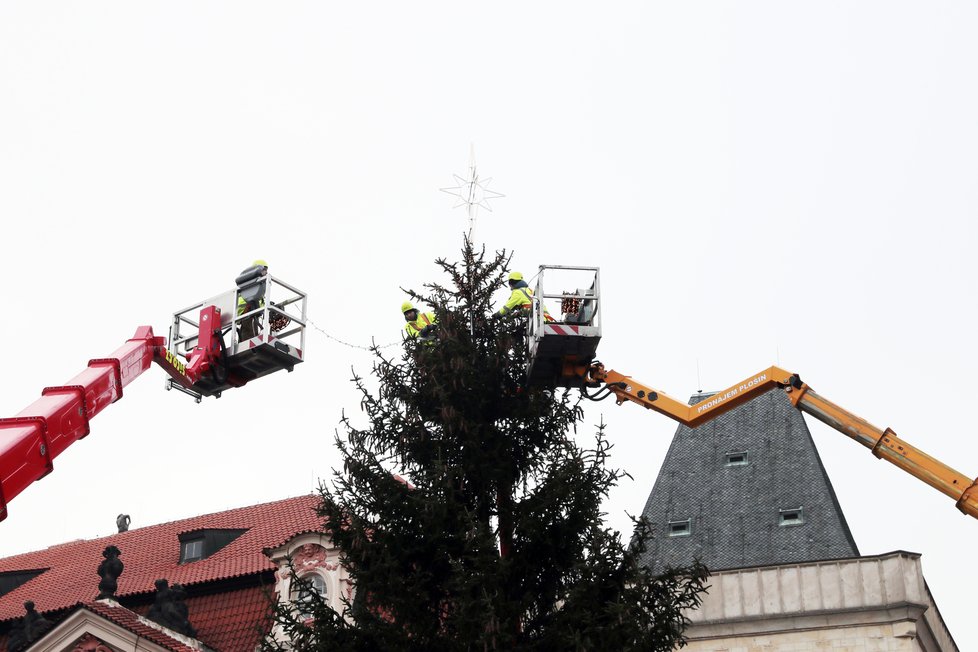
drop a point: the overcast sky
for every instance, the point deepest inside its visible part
(760, 182)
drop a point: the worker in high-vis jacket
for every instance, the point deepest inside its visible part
(419, 324)
(251, 296)
(520, 298)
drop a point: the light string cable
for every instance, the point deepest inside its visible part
(352, 346)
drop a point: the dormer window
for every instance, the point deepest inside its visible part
(310, 575)
(201, 544)
(736, 458)
(192, 550)
(789, 517)
(679, 528)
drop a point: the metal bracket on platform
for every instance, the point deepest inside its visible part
(180, 388)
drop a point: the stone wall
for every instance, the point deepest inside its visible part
(866, 604)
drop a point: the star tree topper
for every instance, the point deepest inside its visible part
(473, 193)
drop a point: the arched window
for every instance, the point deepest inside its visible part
(305, 591)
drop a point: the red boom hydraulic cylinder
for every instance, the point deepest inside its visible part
(30, 441)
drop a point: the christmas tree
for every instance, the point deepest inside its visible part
(468, 517)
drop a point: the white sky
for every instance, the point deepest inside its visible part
(760, 182)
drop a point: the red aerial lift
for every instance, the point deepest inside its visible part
(206, 355)
(562, 354)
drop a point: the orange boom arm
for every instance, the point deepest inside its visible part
(884, 444)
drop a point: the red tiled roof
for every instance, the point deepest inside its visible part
(153, 552)
(130, 621)
(230, 621)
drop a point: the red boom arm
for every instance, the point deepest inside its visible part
(30, 441)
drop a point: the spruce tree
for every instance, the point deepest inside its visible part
(466, 514)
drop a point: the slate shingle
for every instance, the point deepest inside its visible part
(734, 510)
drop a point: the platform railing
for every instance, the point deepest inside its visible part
(580, 286)
(283, 303)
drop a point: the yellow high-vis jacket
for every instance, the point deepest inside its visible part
(521, 298)
(415, 327)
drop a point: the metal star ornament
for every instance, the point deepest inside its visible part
(472, 192)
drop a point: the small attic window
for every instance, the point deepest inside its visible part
(787, 517)
(679, 528)
(201, 544)
(192, 550)
(736, 458)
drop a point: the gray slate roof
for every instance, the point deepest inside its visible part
(735, 510)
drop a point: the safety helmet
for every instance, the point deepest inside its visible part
(406, 306)
(259, 263)
(515, 276)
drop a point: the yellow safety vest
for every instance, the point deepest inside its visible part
(522, 298)
(243, 305)
(413, 328)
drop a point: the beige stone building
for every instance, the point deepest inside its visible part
(867, 604)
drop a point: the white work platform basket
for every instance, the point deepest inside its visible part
(571, 297)
(263, 339)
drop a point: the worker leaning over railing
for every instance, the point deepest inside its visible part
(520, 298)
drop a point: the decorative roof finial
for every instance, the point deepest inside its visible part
(109, 570)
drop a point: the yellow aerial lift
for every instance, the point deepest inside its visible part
(562, 354)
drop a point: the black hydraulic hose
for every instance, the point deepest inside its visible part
(600, 395)
(221, 378)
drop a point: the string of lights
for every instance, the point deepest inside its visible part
(352, 346)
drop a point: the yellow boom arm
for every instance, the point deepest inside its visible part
(884, 444)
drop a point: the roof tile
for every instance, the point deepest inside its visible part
(153, 552)
(132, 622)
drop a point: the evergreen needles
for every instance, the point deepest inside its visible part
(468, 517)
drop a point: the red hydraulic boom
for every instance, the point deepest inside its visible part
(30, 441)
(200, 363)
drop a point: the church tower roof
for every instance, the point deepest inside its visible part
(745, 489)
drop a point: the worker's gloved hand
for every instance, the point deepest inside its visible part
(428, 331)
